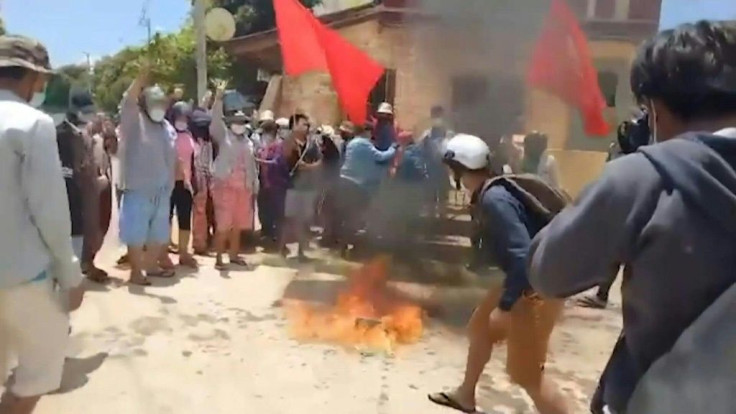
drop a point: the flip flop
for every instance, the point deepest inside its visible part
(238, 261)
(446, 400)
(221, 266)
(592, 302)
(143, 282)
(162, 273)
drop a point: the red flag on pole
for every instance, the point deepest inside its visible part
(562, 65)
(307, 45)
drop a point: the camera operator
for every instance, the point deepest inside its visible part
(666, 213)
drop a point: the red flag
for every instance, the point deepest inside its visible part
(562, 65)
(307, 44)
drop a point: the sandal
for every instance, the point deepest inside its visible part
(188, 261)
(592, 302)
(221, 266)
(446, 400)
(238, 261)
(142, 281)
(162, 273)
(124, 259)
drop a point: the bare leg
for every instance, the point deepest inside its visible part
(547, 397)
(185, 258)
(157, 257)
(482, 337)
(234, 252)
(221, 237)
(136, 257)
(11, 404)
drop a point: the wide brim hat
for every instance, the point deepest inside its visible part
(237, 117)
(21, 51)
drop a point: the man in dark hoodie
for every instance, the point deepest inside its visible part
(665, 212)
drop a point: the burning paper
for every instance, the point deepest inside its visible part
(366, 315)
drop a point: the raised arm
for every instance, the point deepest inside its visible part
(218, 129)
(129, 112)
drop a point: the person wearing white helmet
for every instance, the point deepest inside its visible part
(513, 312)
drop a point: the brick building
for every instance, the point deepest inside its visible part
(472, 61)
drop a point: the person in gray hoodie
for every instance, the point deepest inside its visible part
(666, 212)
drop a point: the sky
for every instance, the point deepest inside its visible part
(70, 29)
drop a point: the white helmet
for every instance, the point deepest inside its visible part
(469, 151)
(385, 108)
(282, 123)
(266, 115)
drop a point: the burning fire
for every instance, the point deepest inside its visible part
(366, 315)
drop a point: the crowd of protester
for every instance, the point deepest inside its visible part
(664, 213)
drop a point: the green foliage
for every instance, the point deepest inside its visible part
(254, 15)
(172, 60)
(67, 78)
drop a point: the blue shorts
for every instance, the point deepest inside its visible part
(144, 219)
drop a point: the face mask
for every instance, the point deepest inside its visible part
(181, 125)
(38, 99)
(238, 129)
(156, 114)
(284, 133)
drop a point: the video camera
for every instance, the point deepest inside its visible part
(634, 133)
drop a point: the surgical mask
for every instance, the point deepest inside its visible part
(181, 125)
(238, 129)
(284, 133)
(38, 98)
(156, 114)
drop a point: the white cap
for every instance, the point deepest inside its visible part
(266, 116)
(282, 122)
(385, 108)
(469, 151)
(328, 130)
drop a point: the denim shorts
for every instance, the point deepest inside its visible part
(144, 218)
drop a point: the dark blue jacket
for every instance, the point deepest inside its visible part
(509, 229)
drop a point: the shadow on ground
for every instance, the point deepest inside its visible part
(77, 371)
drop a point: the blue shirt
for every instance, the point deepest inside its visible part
(509, 228)
(363, 161)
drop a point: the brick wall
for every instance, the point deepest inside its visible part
(426, 58)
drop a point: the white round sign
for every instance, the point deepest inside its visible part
(219, 24)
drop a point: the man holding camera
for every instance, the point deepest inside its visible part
(665, 212)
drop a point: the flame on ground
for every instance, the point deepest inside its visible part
(366, 315)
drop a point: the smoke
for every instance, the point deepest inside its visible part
(480, 48)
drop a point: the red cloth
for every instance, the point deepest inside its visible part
(308, 45)
(562, 65)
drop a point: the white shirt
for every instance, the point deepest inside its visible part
(549, 171)
(35, 227)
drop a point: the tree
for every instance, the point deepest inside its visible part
(66, 79)
(172, 62)
(254, 15)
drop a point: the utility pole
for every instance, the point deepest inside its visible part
(90, 72)
(198, 16)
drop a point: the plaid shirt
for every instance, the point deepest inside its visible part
(203, 155)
